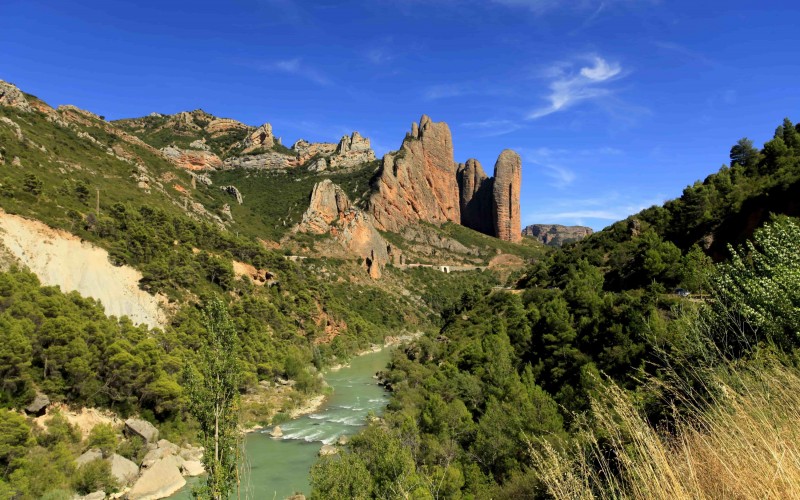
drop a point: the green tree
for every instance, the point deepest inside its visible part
(341, 477)
(32, 184)
(15, 439)
(214, 402)
(758, 291)
(744, 153)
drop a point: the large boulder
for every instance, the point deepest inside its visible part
(159, 481)
(192, 468)
(123, 469)
(88, 456)
(38, 405)
(141, 428)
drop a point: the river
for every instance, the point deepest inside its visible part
(279, 467)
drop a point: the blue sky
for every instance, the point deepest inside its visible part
(614, 105)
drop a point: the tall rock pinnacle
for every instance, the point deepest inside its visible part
(422, 182)
(475, 197)
(505, 199)
(419, 181)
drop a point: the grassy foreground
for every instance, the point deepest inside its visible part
(744, 444)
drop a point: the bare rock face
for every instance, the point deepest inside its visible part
(191, 159)
(261, 138)
(506, 193)
(271, 160)
(419, 181)
(328, 203)
(556, 234)
(330, 211)
(13, 97)
(475, 197)
(142, 428)
(351, 151)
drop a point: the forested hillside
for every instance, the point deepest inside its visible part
(513, 372)
(191, 241)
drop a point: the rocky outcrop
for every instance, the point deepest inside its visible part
(141, 428)
(556, 234)
(330, 211)
(265, 161)
(352, 151)
(261, 138)
(418, 182)
(13, 97)
(505, 199)
(192, 159)
(475, 197)
(233, 191)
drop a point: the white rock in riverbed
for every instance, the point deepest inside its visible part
(161, 480)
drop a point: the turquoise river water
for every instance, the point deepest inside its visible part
(280, 467)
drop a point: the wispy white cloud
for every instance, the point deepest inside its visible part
(447, 90)
(550, 165)
(596, 211)
(379, 55)
(297, 68)
(493, 128)
(596, 7)
(568, 87)
(685, 52)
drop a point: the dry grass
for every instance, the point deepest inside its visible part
(745, 444)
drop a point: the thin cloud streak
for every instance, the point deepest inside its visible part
(296, 67)
(568, 88)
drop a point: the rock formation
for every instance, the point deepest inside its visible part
(233, 191)
(192, 159)
(505, 199)
(261, 138)
(330, 211)
(352, 151)
(418, 182)
(421, 182)
(556, 234)
(141, 428)
(13, 97)
(475, 197)
(271, 160)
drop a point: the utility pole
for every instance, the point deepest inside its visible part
(98, 204)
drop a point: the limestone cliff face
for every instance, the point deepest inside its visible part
(505, 199)
(556, 234)
(419, 181)
(330, 211)
(475, 189)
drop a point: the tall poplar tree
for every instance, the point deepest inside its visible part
(214, 402)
